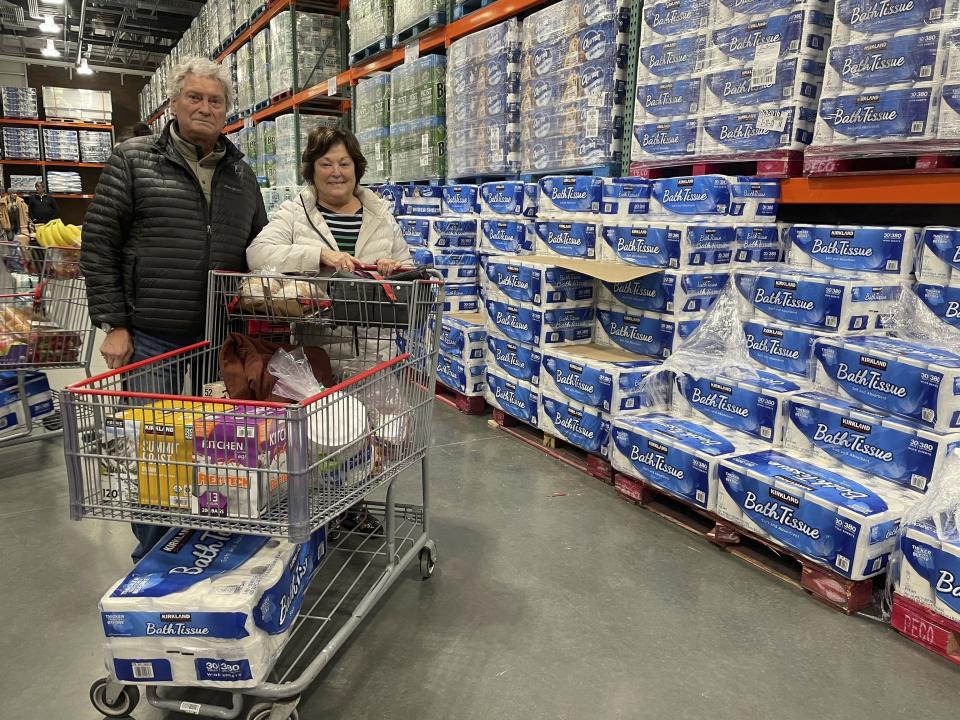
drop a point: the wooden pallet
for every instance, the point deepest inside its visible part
(407, 34)
(840, 593)
(465, 7)
(381, 45)
(780, 164)
(467, 404)
(927, 628)
(565, 452)
(822, 165)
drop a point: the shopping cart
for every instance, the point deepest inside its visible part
(343, 444)
(44, 325)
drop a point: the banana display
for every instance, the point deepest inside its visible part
(56, 234)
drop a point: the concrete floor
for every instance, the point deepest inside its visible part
(571, 607)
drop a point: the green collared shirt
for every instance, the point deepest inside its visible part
(202, 166)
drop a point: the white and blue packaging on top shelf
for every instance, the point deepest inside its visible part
(420, 199)
(754, 406)
(625, 197)
(675, 454)
(675, 245)
(570, 238)
(517, 399)
(207, 608)
(467, 377)
(513, 359)
(831, 302)
(461, 297)
(535, 284)
(508, 237)
(842, 519)
(736, 89)
(869, 249)
(643, 333)
(556, 325)
(716, 197)
(914, 381)
(878, 114)
(670, 291)
(834, 430)
(797, 29)
(751, 130)
(569, 194)
(605, 385)
(580, 425)
(459, 199)
(439, 232)
(938, 256)
(512, 199)
(780, 346)
(393, 195)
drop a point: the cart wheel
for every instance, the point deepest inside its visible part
(121, 707)
(427, 563)
(262, 711)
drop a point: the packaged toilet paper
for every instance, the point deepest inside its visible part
(862, 249)
(467, 378)
(665, 98)
(683, 246)
(559, 324)
(206, 608)
(580, 425)
(461, 297)
(664, 139)
(462, 336)
(625, 197)
(649, 334)
(456, 265)
(440, 232)
(877, 114)
(736, 11)
(780, 346)
(39, 400)
(569, 194)
(830, 302)
(859, 19)
(794, 30)
(907, 57)
(420, 199)
(757, 244)
(569, 238)
(513, 199)
(589, 376)
(735, 89)
(516, 361)
(938, 256)
(753, 129)
(669, 18)
(929, 566)
(392, 195)
(674, 454)
(716, 198)
(459, 200)
(242, 462)
(901, 377)
(536, 284)
(943, 301)
(683, 56)
(669, 292)
(754, 406)
(839, 519)
(517, 399)
(509, 237)
(824, 428)
(948, 123)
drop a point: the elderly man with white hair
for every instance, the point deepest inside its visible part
(167, 210)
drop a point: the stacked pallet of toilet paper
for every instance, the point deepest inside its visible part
(719, 78)
(938, 272)
(572, 85)
(892, 75)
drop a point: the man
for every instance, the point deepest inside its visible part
(168, 209)
(43, 208)
(13, 215)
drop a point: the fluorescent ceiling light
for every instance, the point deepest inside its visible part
(50, 50)
(48, 25)
(52, 2)
(83, 68)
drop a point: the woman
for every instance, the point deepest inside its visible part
(14, 218)
(334, 224)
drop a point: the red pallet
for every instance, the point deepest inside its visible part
(571, 455)
(848, 596)
(896, 161)
(782, 164)
(469, 405)
(926, 628)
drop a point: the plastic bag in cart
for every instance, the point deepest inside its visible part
(388, 408)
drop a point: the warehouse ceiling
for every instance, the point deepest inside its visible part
(123, 34)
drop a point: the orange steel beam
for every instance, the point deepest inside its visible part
(873, 189)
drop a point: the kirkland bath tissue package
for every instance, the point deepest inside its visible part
(677, 455)
(466, 377)
(506, 237)
(562, 323)
(676, 245)
(207, 608)
(590, 375)
(942, 301)
(462, 336)
(439, 232)
(780, 346)
(581, 425)
(824, 429)
(850, 248)
(536, 284)
(938, 256)
(642, 333)
(512, 199)
(716, 197)
(928, 566)
(517, 399)
(513, 360)
(670, 291)
(840, 518)
(912, 380)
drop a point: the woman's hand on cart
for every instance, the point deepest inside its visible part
(386, 266)
(117, 348)
(338, 260)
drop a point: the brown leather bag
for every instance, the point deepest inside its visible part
(243, 367)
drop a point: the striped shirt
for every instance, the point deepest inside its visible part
(344, 226)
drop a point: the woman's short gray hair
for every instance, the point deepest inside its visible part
(203, 68)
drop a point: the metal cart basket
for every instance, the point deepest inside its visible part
(144, 445)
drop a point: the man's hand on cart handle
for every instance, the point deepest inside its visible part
(338, 260)
(117, 348)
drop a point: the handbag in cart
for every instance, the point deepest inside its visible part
(367, 299)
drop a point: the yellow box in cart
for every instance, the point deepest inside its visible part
(165, 466)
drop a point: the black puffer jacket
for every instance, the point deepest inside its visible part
(149, 238)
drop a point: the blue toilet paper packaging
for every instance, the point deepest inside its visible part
(665, 138)
(882, 62)
(671, 58)
(757, 244)
(569, 194)
(590, 376)
(679, 245)
(754, 406)
(843, 520)
(650, 334)
(519, 361)
(782, 127)
(878, 114)
(943, 301)
(670, 18)
(863, 19)
(670, 292)
(795, 79)
(904, 378)
(715, 198)
(667, 98)
(516, 399)
(559, 324)
(467, 378)
(420, 199)
(536, 284)
(625, 197)
(459, 199)
(729, 12)
(938, 256)
(513, 198)
(462, 338)
(806, 31)
(506, 237)
(578, 424)
(456, 265)
(780, 346)
(439, 232)
(677, 455)
(461, 297)
(863, 249)
(929, 567)
(830, 429)
(569, 238)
